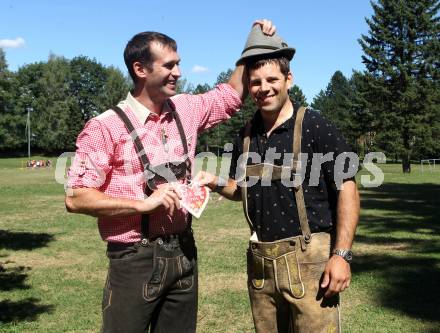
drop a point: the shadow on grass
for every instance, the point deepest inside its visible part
(12, 240)
(13, 278)
(25, 310)
(409, 285)
(403, 218)
(404, 204)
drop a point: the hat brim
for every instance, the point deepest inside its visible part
(288, 52)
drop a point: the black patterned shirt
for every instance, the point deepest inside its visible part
(272, 209)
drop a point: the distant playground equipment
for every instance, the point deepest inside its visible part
(37, 164)
(431, 163)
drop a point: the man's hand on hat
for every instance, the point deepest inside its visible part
(263, 41)
(266, 26)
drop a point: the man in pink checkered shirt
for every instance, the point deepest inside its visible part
(152, 280)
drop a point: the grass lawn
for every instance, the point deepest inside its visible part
(53, 264)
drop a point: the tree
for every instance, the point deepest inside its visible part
(11, 126)
(226, 132)
(87, 85)
(184, 87)
(363, 121)
(64, 94)
(297, 95)
(224, 76)
(94, 89)
(206, 139)
(53, 117)
(3, 63)
(336, 104)
(402, 56)
(116, 87)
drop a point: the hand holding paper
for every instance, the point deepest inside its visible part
(194, 197)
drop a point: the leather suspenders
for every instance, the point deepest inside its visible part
(140, 150)
(148, 170)
(277, 172)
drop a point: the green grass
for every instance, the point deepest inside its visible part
(54, 266)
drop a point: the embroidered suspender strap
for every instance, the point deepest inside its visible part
(145, 164)
(298, 135)
(140, 150)
(242, 167)
(299, 193)
(185, 150)
(184, 142)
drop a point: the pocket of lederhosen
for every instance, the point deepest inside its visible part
(288, 275)
(255, 264)
(186, 272)
(154, 286)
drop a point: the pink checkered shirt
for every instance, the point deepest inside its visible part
(105, 158)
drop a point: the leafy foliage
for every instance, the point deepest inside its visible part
(336, 103)
(297, 95)
(63, 95)
(11, 126)
(402, 57)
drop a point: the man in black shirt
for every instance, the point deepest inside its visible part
(293, 172)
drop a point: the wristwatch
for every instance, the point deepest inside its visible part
(344, 253)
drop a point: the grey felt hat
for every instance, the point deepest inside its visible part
(259, 44)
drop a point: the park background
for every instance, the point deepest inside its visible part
(376, 80)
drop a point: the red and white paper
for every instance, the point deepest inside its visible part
(194, 198)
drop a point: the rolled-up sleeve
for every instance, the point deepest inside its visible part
(92, 161)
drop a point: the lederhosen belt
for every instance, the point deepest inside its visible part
(155, 174)
(264, 170)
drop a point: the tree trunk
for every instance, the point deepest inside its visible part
(406, 163)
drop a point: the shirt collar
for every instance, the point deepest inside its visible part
(257, 122)
(140, 110)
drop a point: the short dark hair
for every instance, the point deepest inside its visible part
(139, 49)
(257, 62)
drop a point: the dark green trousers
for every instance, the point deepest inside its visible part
(151, 288)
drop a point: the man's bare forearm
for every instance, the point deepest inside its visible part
(347, 215)
(229, 191)
(238, 81)
(92, 202)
